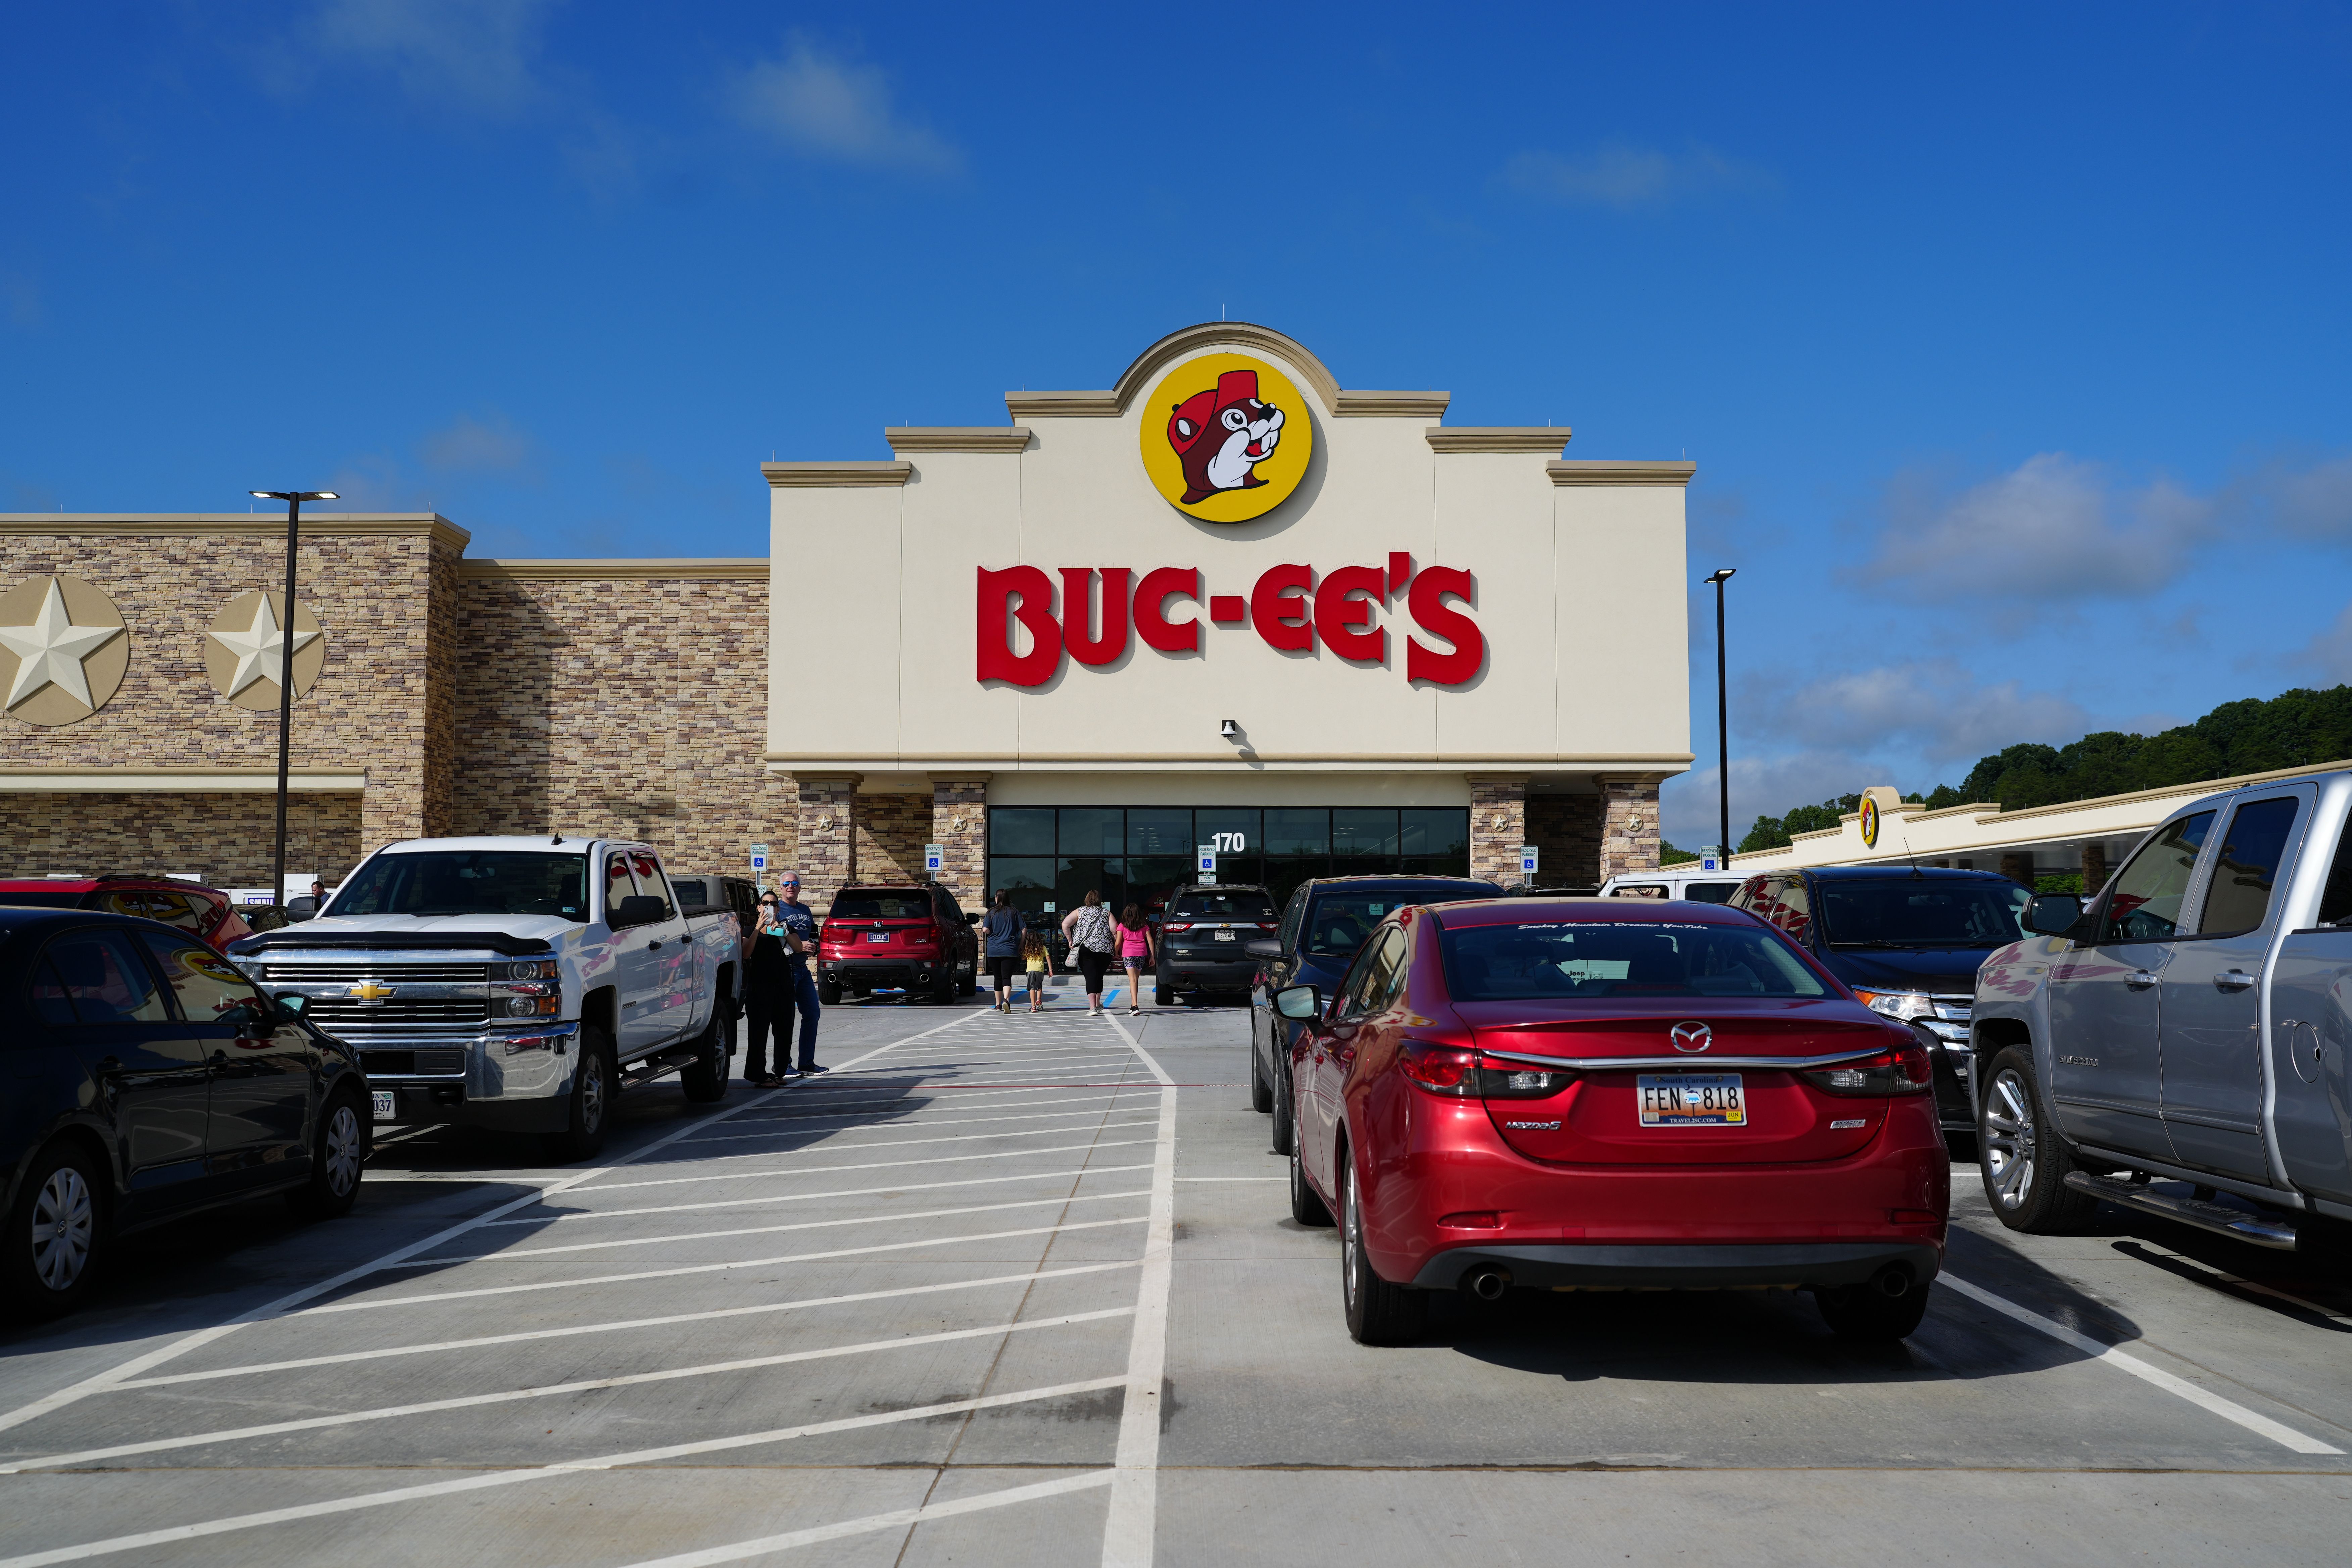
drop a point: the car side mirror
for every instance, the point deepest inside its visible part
(1263, 947)
(291, 1004)
(1304, 1003)
(638, 910)
(2052, 914)
(971, 920)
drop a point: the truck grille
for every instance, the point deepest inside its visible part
(422, 1010)
(414, 974)
(413, 1064)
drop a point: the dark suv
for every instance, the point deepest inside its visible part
(1908, 941)
(1324, 922)
(1204, 938)
(148, 1077)
(897, 939)
(205, 913)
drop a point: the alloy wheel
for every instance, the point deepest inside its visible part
(342, 1149)
(65, 1223)
(1349, 1232)
(2008, 1138)
(592, 1091)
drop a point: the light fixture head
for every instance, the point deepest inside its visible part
(1228, 729)
(266, 495)
(1724, 574)
(321, 495)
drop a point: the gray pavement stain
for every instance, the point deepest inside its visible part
(1473, 1441)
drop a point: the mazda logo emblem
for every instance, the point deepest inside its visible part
(1691, 1037)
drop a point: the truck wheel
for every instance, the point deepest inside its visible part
(55, 1234)
(583, 1137)
(704, 1078)
(2023, 1159)
(338, 1154)
(944, 991)
(1261, 1091)
(828, 991)
(968, 979)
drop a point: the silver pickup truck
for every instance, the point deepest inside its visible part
(2192, 1025)
(514, 983)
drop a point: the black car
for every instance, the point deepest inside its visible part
(1204, 941)
(1909, 941)
(149, 1078)
(1324, 924)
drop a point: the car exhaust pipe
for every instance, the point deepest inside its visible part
(1489, 1283)
(1893, 1281)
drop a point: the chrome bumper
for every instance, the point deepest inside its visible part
(529, 1061)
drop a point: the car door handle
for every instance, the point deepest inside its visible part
(2139, 979)
(651, 946)
(2232, 980)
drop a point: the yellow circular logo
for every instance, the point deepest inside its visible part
(1869, 822)
(1226, 437)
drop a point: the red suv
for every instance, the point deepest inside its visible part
(204, 912)
(897, 939)
(1572, 1093)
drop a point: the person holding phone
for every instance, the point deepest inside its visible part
(766, 985)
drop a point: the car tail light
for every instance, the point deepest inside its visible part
(1177, 925)
(1451, 1070)
(1903, 1070)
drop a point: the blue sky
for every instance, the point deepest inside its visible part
(2011, 342)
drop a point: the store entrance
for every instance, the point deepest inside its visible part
(1050, 857)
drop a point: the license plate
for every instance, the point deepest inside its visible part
(1690, 1099)
(1222, 935)
(385, 1099)
(878, 936)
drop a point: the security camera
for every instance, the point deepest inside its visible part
(1228, 729)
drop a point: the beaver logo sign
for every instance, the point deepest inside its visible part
(1226, 437)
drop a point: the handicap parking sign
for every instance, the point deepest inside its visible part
(933, 858)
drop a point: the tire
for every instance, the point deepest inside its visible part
(47, 1270)
(593, 1083)
(1162, 995)
(1379, 1313)
(338, 1156)
(1261, 1091)
(1286, 1115)
(1305, 1205)
(1867, 1315)
(828, 992)
(705, 1079)
(2025, 1162)
(945, 991)
(968, 983)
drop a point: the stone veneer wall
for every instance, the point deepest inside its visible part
(1566, 830)
(609, 698)
(892, 829)
(226, 839)
(1498, 826)
(1629, 826)
(959, 827)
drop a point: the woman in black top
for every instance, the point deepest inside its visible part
(767, 982)
(1002, 926)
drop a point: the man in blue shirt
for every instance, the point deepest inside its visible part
(796, 927)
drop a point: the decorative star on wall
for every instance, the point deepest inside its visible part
(50, 650)
(259, 648)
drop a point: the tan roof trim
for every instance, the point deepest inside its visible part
(1186, 342)
(957, 438)
(918, 762)
(58, 778)
(1605, 472)
(259, 524)
(781, 476)
(1061, 404)
(1395, 405)
(1498, 439)
(618, 571)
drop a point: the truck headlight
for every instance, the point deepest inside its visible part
(1904, 1004)
(529, 969)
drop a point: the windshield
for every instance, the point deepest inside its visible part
(1243, 906)
(1906, 911)
(1339, 922)
(1621, 958)
(468, 882)
(867, 904)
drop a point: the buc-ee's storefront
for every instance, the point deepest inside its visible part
(1225, 602)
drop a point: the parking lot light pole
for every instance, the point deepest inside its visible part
(293, 500)
(1722, 717)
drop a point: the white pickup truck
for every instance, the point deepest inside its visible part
(514, 983)
(2192, 1025)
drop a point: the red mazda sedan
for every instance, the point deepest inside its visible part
(1576, 1094)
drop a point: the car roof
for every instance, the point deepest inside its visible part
(1592, 911)
(1904, 869)
(572, 843)
(34, 918)
(104, 879)
(1375, 881)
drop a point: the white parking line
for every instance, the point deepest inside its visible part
(1180, 1178)
(172, 1534)
(897, 1518)
(870, 1165)
(867, 1117)
(545, 1390)
(2229, 1410)
(440, 1346)
(829, 1147)
(931, 1122)
(546, 1221)
(702, 1267)
(1128, 1527)
(763, 1229)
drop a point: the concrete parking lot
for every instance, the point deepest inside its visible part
(1024, 1290)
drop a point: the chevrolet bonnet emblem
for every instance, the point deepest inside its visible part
(369, 991)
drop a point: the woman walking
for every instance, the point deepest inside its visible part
(1137, 943)
(1002, 927)
(1037, 958)
(1088, 928)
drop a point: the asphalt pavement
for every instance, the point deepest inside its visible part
(1023, 1289)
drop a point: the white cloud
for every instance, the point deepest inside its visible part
(1688, 816)
(1623, 175)
(2053, 528)
(1936, 708)
(467, 445)
(2316, 502)
(2330, 652)
(481, 55)
(826, 107)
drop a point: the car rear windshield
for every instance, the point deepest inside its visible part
(468, 882)
(42, 900)
(1907, 912)
(1621, 958)
(1711, 892)
(1339, 922)
(1243, 906)
(880, 904)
